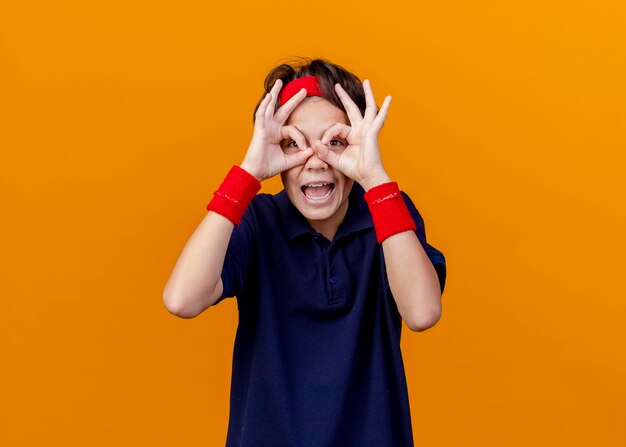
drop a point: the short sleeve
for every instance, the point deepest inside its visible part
(238, 257)
(435, 256)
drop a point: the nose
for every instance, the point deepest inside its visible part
(314, 162)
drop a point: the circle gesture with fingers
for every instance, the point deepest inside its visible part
(360, 159)
(265, 157)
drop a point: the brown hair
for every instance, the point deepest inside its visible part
(328, 74)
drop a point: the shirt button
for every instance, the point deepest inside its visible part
(332, 280)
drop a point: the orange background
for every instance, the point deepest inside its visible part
(507, 128)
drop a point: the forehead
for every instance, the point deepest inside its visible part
(315, 113)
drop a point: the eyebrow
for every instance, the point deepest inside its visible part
(323, 130)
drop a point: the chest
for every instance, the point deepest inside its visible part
(315, 276)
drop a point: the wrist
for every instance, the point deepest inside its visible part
(234, 194)
(375, 180)
(389, 211)
(250, 170)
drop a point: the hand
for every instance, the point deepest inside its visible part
(360, 160)
(265, 158)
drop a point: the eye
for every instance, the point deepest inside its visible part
(337, 142)
(290, 146)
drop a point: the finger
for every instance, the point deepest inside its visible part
(260, 112)
(297, 159)
(382, 115)
(274, 92)
(326, 154)
(370, 103)
(285, 110)
(293, 133)
(336, 130)
(354, 114)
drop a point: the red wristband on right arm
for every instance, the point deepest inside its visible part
(234, 194)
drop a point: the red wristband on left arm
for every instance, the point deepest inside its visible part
(389, 212)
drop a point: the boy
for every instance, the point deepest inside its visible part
(324, 271)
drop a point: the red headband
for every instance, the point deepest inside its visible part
(311, 83)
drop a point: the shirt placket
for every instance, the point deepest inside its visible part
(331, 281)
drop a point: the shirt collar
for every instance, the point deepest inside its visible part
(358, 216)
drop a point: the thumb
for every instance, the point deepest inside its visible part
(326, 154)
(297, 159)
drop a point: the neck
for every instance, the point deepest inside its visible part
(329, 226)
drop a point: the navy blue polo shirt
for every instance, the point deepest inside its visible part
(317, 358)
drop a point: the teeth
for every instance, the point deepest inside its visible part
(330, 191)
(317, 185)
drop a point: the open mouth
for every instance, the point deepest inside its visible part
(318, 191)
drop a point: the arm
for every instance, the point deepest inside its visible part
(413, 281)
(195, 282)
(412, 277)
